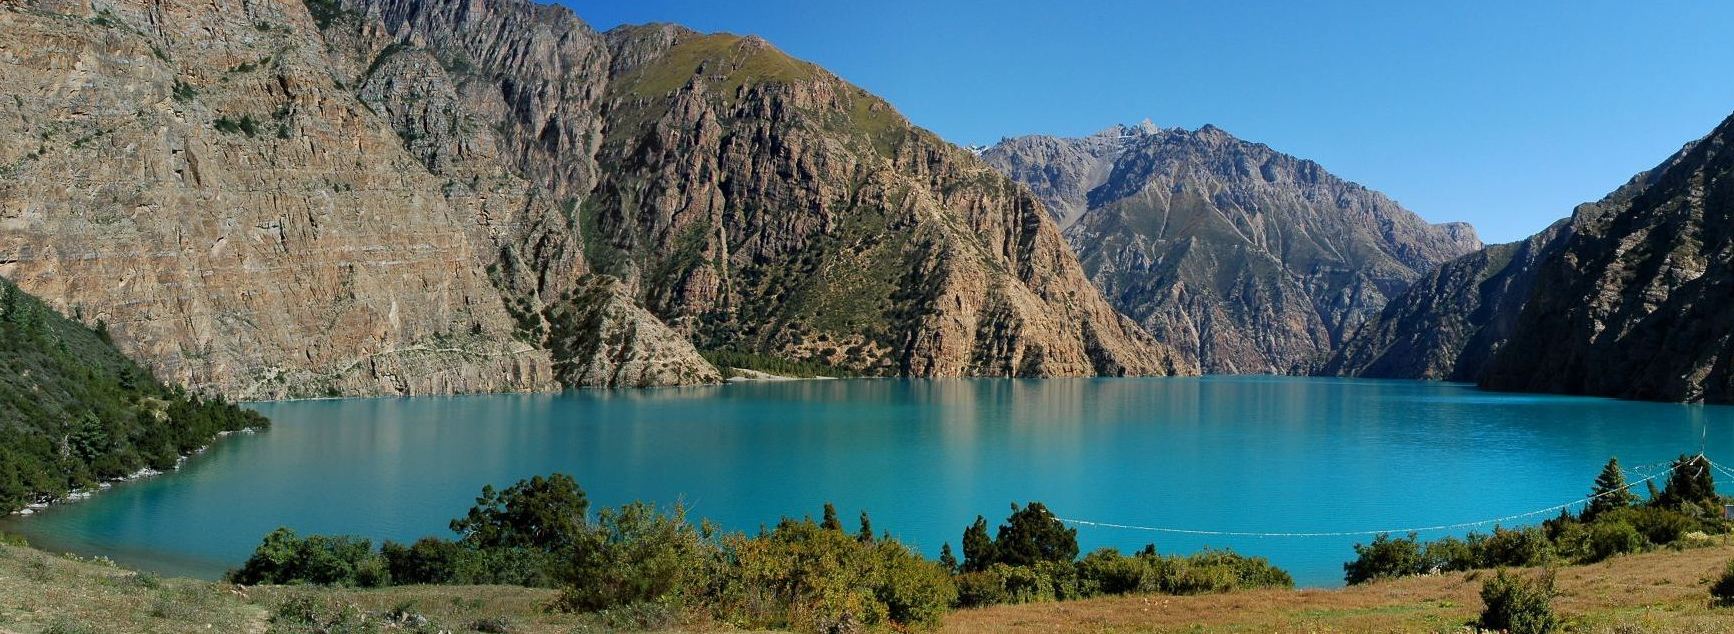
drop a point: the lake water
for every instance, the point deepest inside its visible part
(1242, 454)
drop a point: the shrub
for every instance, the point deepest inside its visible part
(544, 513)
(1109, 572)
(1385, 558)
(284, 558)
(506, 566)
(1661, 526)
(1515, 547)
(428, 560)
(1723, 590)
(1606, 539)
(1519, 606)
(805, 577)
(1032, 534)
(636, 554)
(980, 589)
(1448, 554)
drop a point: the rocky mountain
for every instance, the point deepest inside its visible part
(271, 199)
(1448, 324)
(1245, 259)
(1635, 303)
(1616, 300)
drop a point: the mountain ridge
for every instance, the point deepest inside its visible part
(1610, 301)
(493, 196)
(1245, 258)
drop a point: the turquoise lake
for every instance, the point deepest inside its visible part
(1241, 454)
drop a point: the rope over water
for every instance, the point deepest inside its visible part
(1390, 531)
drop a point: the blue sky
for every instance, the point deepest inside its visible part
(1501, 115)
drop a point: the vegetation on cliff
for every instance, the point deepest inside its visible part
(75, 412)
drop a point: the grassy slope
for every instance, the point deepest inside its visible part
(40, 592)
(1655, 592)
(1661, 592)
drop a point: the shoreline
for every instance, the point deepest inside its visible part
(144, 473)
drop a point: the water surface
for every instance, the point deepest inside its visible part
(1255, 454)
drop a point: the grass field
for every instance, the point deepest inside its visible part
(1663, 592)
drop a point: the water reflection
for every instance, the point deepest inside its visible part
(924, 457)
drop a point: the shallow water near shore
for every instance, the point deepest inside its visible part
(1233, 454)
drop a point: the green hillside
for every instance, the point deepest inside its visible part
(74, 411)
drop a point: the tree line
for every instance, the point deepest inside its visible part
(799, 574)
(75, 412)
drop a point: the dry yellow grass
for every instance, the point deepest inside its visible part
(1662, 592)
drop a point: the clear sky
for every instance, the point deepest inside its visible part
(1502, 114)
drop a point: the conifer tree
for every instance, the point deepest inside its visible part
(1033, 534)
(977, 546)
(1610, 492)
(830, 523)
(866, 534)
(1690, 483)
(946, 559)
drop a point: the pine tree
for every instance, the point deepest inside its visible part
(1690, 483)
(866, 534)
(977, 546)
(1032, 534)
(830, 523)
(946, 559)
(1610, 492)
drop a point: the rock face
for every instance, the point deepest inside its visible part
(270, 199)
(189, 173)
(1245, 259)
(1448, 324)
(756, 203)
(1626, 298)
(1636, 302)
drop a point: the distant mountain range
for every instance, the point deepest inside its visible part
(1245, 259)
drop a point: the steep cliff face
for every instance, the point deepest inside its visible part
(1245, 259)
(190, 173)
(598, 334)
(756, 203)
(1637, 299)
(1609, 301)
(1448, 324)
(272, 199)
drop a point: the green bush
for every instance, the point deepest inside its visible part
(1660, 526)
(1448, 554)
(806, 577)
(284, 558)
(428, 560)
(981, 589)
(1722, 591)
(1515, 547)
(1385, 558)
(1108, 572)
(507, 566)
(544, 513)
(1518, 606)
(636, 554)
(1606, 539)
